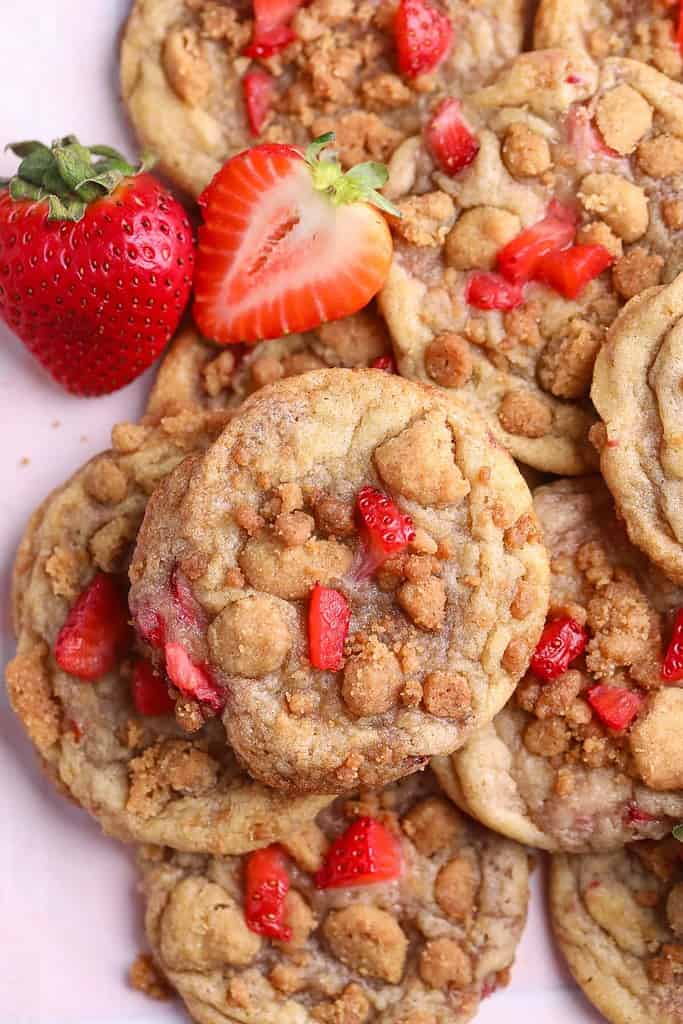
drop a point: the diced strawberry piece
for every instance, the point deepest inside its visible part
(569, 270)
(258, 90)
(615, 706)
(583, 136)
(562, 641)
(150, 695)
(272, 32)
(266, 885)
(423, 37)
(151, 626)
(385, 529)
(384, 363)
(636, 815)
(672, 666)
(328, 624)
(192, 679)
(517, 260)
(96, 632)
(491, 291)
(186, 605)
(450, 141)
(364, 854)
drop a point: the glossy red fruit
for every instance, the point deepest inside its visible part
(94, 279)
(149, 690)
(266, 884)
(569, 270)
(385, 529)
(423, 37)
(615, 706)
(328, 625)
(672, 666)
(449, 139)
(96, 633)
(366, 853)
(192, 679)
(562, 641)
(150, 626)
(517, 260)
(491, 291)
(258, 90)
(384, 363)
(272, 29)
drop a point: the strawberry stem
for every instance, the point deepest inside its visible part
(359, 184)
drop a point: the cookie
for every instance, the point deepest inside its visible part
(424, 947)
(610, 28)
(182, 71)
(528, 369)
(618, 920)
(196, 372)
(548, 771)
(637, 392)
(138, 774)
(429, 635)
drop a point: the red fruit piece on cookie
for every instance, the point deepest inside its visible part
(423, 36)
(569, 270)
(449, 139)
(583, 136)
(366, 853)
(96, 632)
(672, 666)
(186, 605)
(561, 642)
(385, 529)
(491, 291)
(266, 884)
(272, 31)
(517, 260)
(151, 626)
(192, 679)
(383, 363)
(148, 687)
(615, 706)
(258, 90)
(328, 625)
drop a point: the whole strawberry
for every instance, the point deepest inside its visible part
(96, 262)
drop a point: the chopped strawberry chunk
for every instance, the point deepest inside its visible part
(96, 632)
(266, 885)
(150, 695)
(561, 642)
(636, 815)
(450, 141)
(583, 136)
(364, 854)
(192, 679)
(569, 270)
(672, 666)
(151, 626)
(186, 604)
(258, 90)
(423, 37)
(272, 31)
(518, 259)
(615, 706)
(328, 624)
(385, 529)
(384, 363)
(491, 291)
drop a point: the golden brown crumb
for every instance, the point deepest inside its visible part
(145, 977)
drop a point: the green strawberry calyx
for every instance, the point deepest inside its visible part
(68, 175)
(360, 184)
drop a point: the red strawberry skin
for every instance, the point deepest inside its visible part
(96, 300)
(423, 37)
(449, 139)
(364, 854)
(266, 884)
(96, 632)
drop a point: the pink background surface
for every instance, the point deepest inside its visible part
(70, 923)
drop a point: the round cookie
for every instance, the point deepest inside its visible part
(424, 947)
(645, 31)
(547, 771)
(195, 372)
(182, 67)
(529, 369)
(637, 392)
(618, 920)
(139, 775)
(439, 634)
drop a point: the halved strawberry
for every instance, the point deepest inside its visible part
(266, 884)
(423, 37)
(517, 260)
(366, 853)
(615, 706)
(561, 642)
(385, 529)
(672, 665)
(272, 31)
(148, 687)
(192, 679)
(96, 632)
(328, 624)
(449, 139)
(568, 271)
(491, 291)
(258, 90)
(288, 242)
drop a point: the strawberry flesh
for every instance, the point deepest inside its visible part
(491, 291)
(449, 139)
(615, 706)
(272, 31)
(517, 260)
(570, 270)
(562, 641)
(266, 884)
(366, 853)
(258, 91)
(96, 632)
(672, 665)
(385, 530)
(187, 608)
(150, 694)
(384, 363)
(423, 37)
(583, 136)
(328, 625)
(150, 626)
(192, 679)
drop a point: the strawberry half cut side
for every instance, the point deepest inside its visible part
(366, 853)
(96, 632)
(266, 884)
(385, 530)
(328, 625)
(192, 679)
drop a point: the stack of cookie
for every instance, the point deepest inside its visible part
(304, 634)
